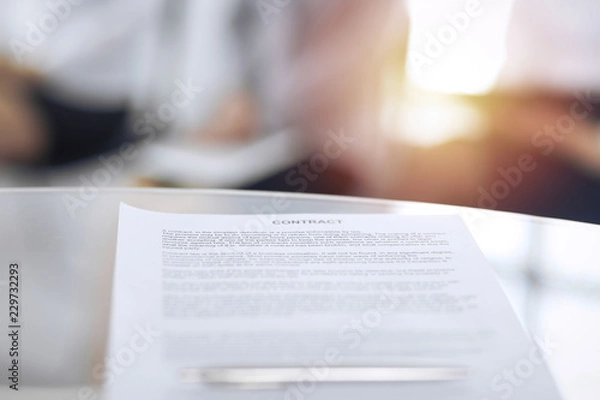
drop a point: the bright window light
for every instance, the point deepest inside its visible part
(457, 46)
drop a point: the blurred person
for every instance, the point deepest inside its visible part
(339, 70)
(309, 64)
(544, 108)
(318, 67)
(78, 104)
(547, 104)
(553, 60)
(38, 129)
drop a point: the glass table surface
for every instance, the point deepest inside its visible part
(64, 242)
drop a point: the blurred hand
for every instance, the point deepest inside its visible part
(23, 137)
(236, 120)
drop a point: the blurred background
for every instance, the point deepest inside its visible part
(490, 103)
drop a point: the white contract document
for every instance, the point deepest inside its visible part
(313, 306)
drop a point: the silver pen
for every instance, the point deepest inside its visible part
(280, 376)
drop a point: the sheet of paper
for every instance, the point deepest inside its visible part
(316, 292)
